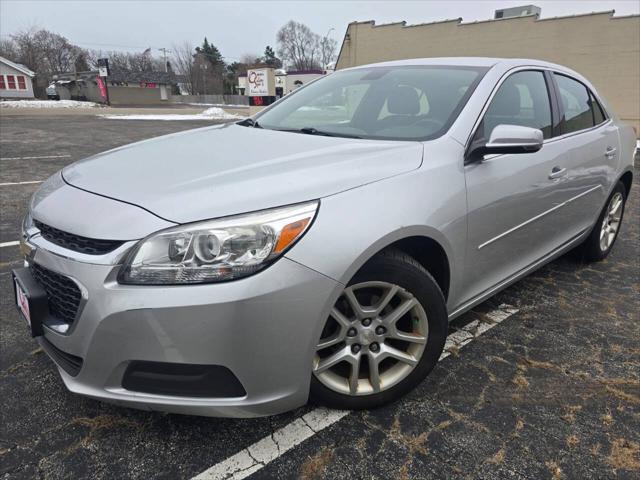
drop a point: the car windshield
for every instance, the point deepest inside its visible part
(391, 103)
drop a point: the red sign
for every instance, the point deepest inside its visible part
(102, 87)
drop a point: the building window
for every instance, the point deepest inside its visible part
(22, 85)
(11, 82)
(2, 85)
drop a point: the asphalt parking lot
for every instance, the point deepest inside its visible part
(542, 381)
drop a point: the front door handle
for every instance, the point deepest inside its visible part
(557, 172)
(610, 153)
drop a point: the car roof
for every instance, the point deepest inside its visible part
(458, 61)
(465, 62)
(488, 62)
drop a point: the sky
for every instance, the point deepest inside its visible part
(245, 27)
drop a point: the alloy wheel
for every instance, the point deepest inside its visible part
(374, 337)
(611, 222)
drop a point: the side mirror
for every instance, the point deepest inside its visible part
(510, 139)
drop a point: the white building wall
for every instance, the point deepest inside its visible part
(305, 78)
(5, 72)
(242, 85)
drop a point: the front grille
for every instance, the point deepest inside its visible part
(62, 292)
(90, 246)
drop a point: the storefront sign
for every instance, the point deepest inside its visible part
(103, 67)
(260, 82)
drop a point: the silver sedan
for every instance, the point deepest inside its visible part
(321, 247)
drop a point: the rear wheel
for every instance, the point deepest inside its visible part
(384, 335)
(600, 242)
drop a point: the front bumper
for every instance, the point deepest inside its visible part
(262, 328)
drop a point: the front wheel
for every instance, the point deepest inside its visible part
(383, 336)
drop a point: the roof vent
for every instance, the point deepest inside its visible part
(517, 12)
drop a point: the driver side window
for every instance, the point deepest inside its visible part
(522, 99)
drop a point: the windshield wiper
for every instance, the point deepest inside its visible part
(250, 122)
(315, 131)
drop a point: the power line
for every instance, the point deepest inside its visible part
(164, 52)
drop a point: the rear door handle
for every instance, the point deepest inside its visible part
(610, 153)
(557, 172)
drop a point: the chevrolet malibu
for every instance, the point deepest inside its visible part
(321, 247)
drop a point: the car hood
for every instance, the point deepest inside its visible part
(229, 169)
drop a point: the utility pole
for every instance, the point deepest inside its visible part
(203, 67)
(325, 39)
(164, 52)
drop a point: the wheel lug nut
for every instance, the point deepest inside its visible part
(352, 332)
(355, 348)
(381, 330)
(374, 347)
(366, 322)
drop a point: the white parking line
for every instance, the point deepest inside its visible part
(43, 157)
(263, 452)
(9, 244)
(20, 183)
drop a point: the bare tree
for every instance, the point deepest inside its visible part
(127, 61)
(250, 59)
(144, 62)
(44, 52)
(8, 49)
(27, 51)
(58, 54)
(184, 65)
(303, 49)
(298, 46)
(327, 51)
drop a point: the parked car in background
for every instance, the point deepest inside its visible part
(322, 246)
(52, 93)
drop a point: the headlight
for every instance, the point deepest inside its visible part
(216, 250)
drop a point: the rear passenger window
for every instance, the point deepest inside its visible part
(576, 103)
(598, 113)
(523, 100)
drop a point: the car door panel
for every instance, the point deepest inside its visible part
(592, 153)
(513, 217)
(522, 207)
(513, 200)
(590, 175)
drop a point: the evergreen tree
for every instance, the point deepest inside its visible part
(209, 64)
(211, 53)
(270, 58)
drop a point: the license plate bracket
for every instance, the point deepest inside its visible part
(31, 300)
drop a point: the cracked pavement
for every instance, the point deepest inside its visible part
(551, 392)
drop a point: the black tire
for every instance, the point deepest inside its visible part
(396, 267)
(590, 249)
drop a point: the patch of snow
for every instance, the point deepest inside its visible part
(47, 104)
(214, 113)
